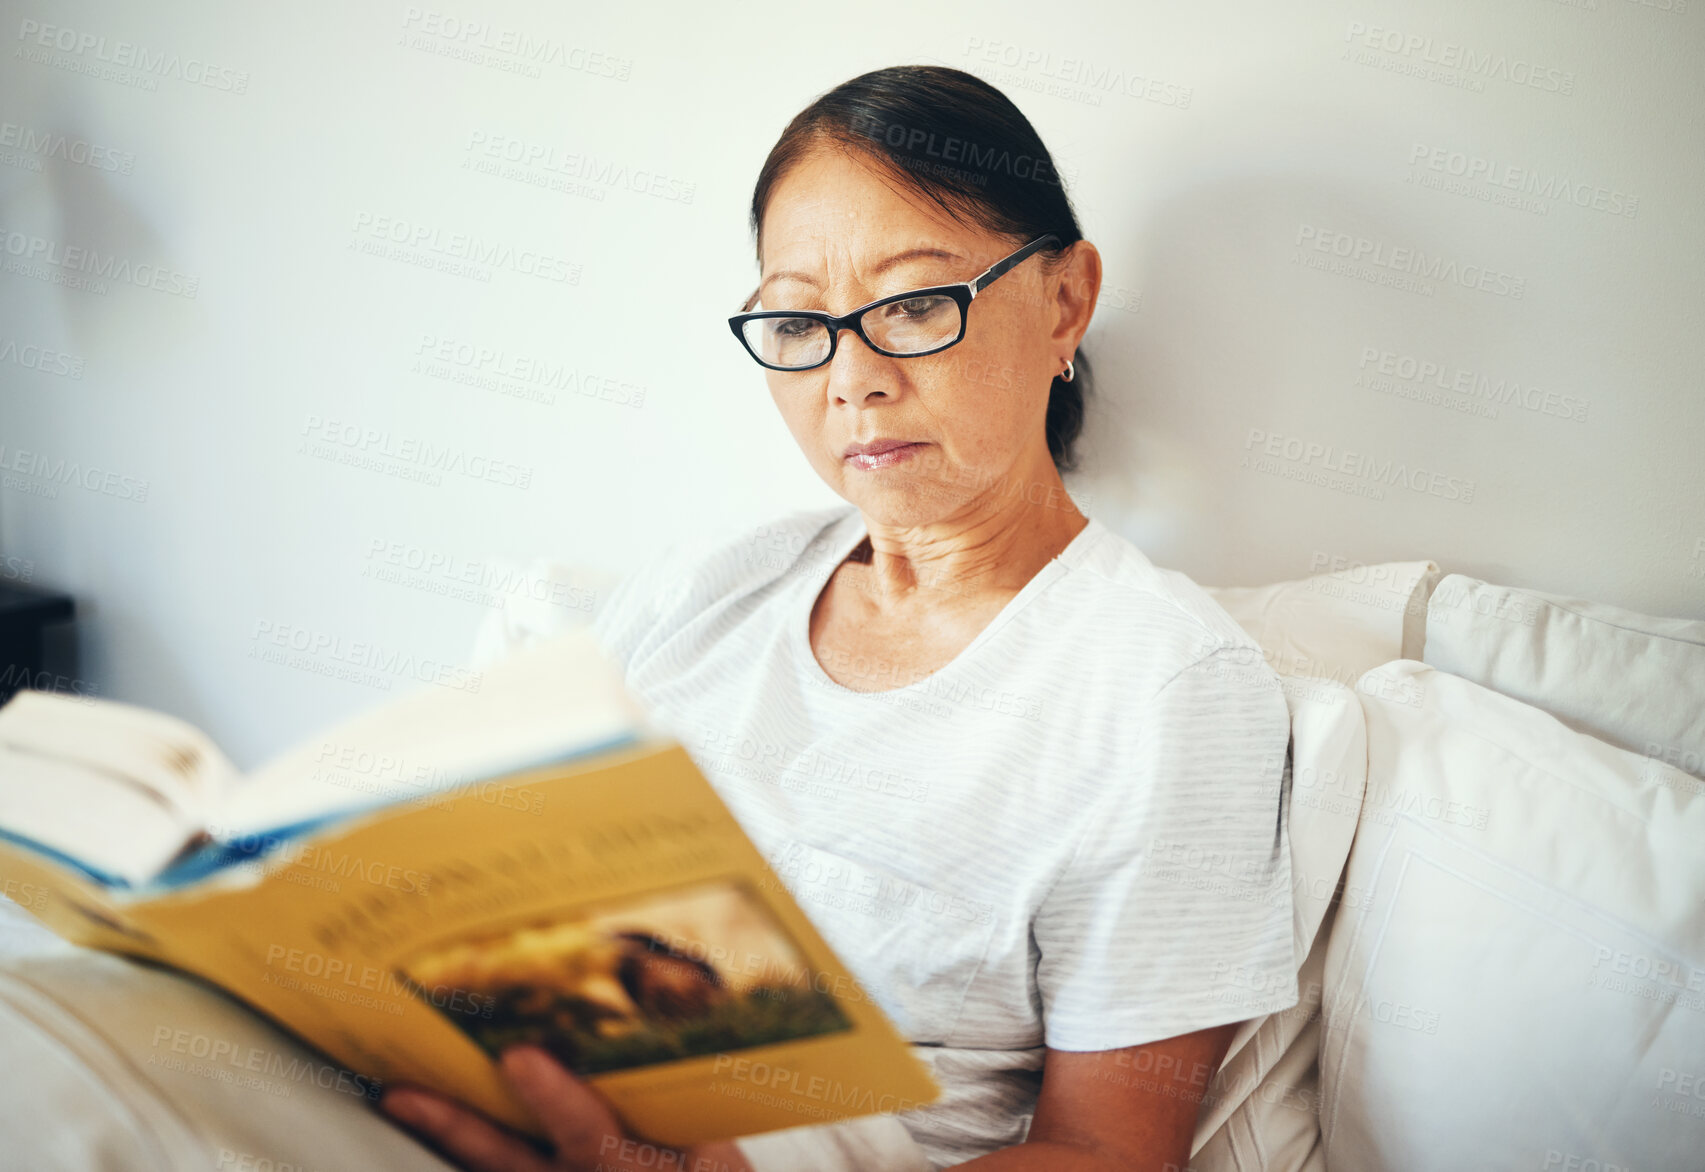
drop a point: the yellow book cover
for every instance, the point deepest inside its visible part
(607, 907)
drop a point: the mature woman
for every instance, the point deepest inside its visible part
(1051, 762)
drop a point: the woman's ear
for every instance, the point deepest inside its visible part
(1079, 284)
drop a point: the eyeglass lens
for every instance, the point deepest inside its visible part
(911, 326)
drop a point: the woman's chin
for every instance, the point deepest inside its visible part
(901, 503)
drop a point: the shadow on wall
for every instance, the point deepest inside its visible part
(1243, 427)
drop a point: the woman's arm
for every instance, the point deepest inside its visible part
(1132, 1109)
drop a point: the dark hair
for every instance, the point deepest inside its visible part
(955, 139)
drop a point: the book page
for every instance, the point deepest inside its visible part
(122, 830)
(161, 753)
(552, 701)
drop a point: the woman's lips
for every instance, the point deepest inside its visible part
(882, 455)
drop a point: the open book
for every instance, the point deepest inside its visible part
(452, 873)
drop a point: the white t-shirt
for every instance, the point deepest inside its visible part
(1071, 835)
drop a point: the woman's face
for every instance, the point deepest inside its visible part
(836, 234)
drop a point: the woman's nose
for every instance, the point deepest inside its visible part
(857, 373)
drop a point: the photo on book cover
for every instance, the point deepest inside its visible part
(680, 973)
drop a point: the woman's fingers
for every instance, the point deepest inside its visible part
(577, 1118)
(462, 1135)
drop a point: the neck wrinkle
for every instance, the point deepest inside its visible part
(995, 550)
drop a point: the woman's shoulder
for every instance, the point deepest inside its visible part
(1131, 600)
(687, 576)
(726, 555)
(746, 555)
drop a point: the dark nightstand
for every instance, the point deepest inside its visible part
(24, 611)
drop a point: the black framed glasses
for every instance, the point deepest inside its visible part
(905, 325)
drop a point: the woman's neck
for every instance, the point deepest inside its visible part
(994, 546)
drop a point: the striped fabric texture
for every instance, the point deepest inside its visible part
(1070, 836)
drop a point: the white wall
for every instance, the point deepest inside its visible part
(1210, 147)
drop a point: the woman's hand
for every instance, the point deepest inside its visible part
(584, 1130)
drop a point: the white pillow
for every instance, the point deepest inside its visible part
(1634, 680)
(542, 597)
(1523, 985)
(1336, 625)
